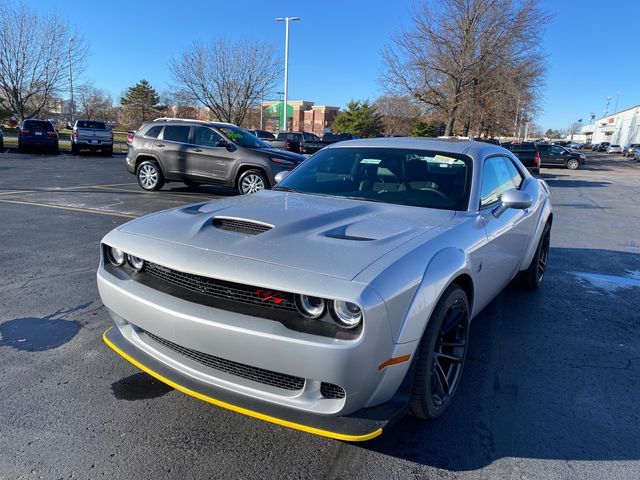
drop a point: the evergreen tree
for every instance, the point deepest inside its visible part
(424, 129)
(141, 103)
(360, 118)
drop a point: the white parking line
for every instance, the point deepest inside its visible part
(73, 209)
(609, 283)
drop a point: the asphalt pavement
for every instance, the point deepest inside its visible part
(550, 390)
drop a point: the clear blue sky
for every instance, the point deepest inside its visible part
(592, 45)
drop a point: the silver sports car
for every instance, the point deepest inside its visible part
(339, 300)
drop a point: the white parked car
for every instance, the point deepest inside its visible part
(614, 149)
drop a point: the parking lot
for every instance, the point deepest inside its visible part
(550, 390)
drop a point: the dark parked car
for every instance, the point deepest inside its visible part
(636, 155)
(196, 152)
(1, 139)
(38, 133)
(528, 154)
(602, 147)
(263, 135)
(299, 142)
(338, 137)
(629, 149)
(555, 155)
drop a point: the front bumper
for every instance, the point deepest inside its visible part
(362, 425)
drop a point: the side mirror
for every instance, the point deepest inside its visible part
(512, 199)
(282, 175)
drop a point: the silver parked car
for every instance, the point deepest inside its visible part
(614, 149)
(339, 299)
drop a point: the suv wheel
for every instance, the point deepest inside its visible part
(252, 181)
(149, 176)
(573, 164)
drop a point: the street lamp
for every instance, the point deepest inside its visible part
(286, 64)
(70, 83)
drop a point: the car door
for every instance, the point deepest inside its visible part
(171, 150)
(208, 155)
(558, 155)
(545, 154)
(507, 235)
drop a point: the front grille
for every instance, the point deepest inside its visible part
(329, 390)
(223, 290)
(241, 226)
(260, 375)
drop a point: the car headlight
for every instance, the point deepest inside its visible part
(348, 315)
(282, 161)
(116, 256)
(136, 263)
(310, 307)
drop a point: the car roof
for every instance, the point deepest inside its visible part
(460, 146)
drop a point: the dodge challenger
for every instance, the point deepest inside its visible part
(339, 300)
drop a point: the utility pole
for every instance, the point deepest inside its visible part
(286, 65)
(71, 109)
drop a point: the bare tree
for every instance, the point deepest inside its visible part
(227, 77)
(455, 45)
(399, 113)
(93, 103)
(34, 58)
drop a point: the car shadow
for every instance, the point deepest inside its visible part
(551, 374)
(575, 183)
(139, 386)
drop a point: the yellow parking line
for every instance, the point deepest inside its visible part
(73, 209)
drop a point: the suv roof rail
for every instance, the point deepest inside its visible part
(175, 119)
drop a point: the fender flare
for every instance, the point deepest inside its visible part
(151, 155)
(545, 214)
(443, 268)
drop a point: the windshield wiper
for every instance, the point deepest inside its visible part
(365, 199)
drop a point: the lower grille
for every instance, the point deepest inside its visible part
(260, 375)
(329, 390)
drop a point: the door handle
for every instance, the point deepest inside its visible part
(159, 144)
(196, 150)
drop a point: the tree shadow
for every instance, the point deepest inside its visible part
(551, 374)
(33, 334)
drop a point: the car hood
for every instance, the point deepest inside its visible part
(276, 152)
(329, 236)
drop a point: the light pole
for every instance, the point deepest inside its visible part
(70, 83)
(286, 64)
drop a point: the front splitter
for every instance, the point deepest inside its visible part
(360, 426)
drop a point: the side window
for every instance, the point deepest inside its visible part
(544, 148)
(556, 150)
(176, 133)
(496, 179)
(206, 137)
(153, 132)
(516, 176)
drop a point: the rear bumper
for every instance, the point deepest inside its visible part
(362, 425)
(43, 141)
(93, 145)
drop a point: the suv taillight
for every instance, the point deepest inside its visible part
(129, 137)
(111, 135)
(287, 145)
(75, 133)
(25, 132)
(536, 159)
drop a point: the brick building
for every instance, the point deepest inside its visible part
(304, 116)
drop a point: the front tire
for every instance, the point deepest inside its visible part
(252, 181)
(573, 164)
(150, 176)
(441, 355)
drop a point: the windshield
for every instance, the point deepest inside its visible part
(243, 138)
(417, 178)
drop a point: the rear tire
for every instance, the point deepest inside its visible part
(441, 355)
(150, 176)
(532, 277)
(55, 150)
(74, 149)
(108, 152)
(21, 148)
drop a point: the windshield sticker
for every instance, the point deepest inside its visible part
(370, 161)
(234, 136)
(444, 159)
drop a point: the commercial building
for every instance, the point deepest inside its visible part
(302, 116)
(618, 128)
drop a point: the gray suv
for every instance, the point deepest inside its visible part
(196, 152)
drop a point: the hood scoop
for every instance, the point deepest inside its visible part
(238, 225)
